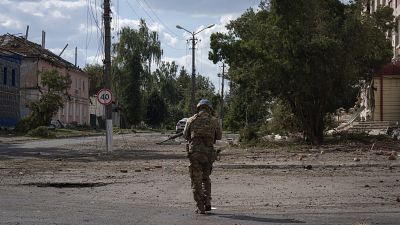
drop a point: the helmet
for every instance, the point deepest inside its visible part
(204, 102)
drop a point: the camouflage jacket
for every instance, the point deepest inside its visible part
(201, 131)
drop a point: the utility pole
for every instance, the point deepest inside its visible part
(107, 72)
(222, 94)
(193, 93)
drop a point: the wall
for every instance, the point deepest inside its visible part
(9, 91)
(391, 98)
(76, 109)
(28, 84)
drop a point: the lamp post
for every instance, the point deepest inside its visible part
(193, 39)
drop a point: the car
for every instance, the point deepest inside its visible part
(180, 125)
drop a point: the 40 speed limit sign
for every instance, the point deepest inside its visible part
(104, 96)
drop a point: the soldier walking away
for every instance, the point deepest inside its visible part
(201, 131)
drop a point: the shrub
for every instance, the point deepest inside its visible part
(248, 133)
(41, 131)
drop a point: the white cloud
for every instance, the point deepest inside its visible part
(95, 59)
(156, 27)
(8, 22)
(129, 23)
(171, 40)
(50, 8)
(58, 15)
(83, 28)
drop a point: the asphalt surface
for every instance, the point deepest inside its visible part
(72, 181)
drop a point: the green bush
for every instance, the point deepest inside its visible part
(283, 121)
(248, 133)
(25, 124)
(41, 131)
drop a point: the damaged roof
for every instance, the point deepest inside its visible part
(32, 50)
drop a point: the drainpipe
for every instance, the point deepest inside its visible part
(381, 97)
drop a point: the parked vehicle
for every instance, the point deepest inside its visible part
(181, 125)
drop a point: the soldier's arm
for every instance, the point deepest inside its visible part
(186, 130)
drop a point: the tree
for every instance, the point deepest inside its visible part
(55, 89)
(156, 110)
(128, 75)
(132, 78)
(95, 73)
(309, 53)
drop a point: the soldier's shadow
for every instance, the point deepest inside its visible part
(254, 219)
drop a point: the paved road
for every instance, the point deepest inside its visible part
(66, 182)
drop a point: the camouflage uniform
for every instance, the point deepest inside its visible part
(201, 131)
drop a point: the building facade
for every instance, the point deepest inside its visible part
(9, 88)
(36, 59)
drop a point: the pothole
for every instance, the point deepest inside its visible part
(67, 184)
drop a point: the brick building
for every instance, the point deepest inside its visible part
(9, 87)
(37, 59)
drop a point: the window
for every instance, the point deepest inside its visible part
(13, 77)
(5, 76)
(83, 85)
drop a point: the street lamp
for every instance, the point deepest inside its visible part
(193, 39)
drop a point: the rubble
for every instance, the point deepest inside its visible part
(356, 159)
(396, 134)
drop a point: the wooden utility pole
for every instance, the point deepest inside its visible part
(107, 71)
(193, 93)
(222, 94)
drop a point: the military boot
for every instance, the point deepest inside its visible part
(200, 209)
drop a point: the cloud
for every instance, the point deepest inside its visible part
(156, 27)
(171, 40)
(8, 22)
(129, 23)
(58, 15)
(202, 8)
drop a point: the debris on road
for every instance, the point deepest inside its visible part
(392, 157)
(123, 171)
(356, 159)
(308, 167)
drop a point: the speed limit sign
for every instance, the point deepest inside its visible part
(104, 96)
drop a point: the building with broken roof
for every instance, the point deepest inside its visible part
(36, 59)
(10, 63)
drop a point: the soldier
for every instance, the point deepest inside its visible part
(201, 131)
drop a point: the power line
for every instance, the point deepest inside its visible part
(172, 32)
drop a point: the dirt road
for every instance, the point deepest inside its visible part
(73, 181)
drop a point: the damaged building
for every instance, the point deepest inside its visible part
(36, 59)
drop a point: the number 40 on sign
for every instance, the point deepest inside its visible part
(104, 96)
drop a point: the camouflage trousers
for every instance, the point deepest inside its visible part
(200, 170)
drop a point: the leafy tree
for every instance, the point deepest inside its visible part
(309, 53)
(95, 73)
(156, 109)
(55, 89)
(128, 75)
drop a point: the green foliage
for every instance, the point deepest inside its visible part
(309, 53)
(42, 132)
(55, 89)
(282, 120)
(95, 73)
(248, 134)
(156, 110)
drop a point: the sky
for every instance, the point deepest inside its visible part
(78, 23)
